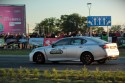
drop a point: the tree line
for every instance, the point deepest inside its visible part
(69, 23)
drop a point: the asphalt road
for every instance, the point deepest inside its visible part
(13, 61)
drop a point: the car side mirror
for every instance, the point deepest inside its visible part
(53, 45)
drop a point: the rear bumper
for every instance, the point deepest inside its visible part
(112, 54)
(113, 57)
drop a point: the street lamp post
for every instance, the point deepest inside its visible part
(27, 28)
(89, 7)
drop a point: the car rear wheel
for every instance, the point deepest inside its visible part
(39, 58)
(86, 58)
(102, 61)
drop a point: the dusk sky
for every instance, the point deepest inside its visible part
(38, 10)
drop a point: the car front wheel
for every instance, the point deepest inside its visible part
(39, 58)
(86, 58)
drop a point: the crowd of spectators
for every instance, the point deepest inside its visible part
(16, 37)
(13, 39)
(112, 34)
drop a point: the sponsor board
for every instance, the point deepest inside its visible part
(12, 19)
(36, 41)
(56, 51)
(2, 42)
(49, 41)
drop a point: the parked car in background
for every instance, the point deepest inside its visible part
(84, 49)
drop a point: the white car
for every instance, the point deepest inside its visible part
(84, 49)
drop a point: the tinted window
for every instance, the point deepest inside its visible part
(77, 41)
(63, 42)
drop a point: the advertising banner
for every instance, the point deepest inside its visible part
(49, 41)
(12, 19)
(121, 41)
(23, 40)
(11, 41)
(36, 41)
(2, 42)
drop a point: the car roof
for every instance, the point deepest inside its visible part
(95, 39)
(78, 37)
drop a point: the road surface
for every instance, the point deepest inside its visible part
(17, 61)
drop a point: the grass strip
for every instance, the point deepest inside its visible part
(15, 51)
(24, 75)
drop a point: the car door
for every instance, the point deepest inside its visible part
(75, 48)
(58, 51)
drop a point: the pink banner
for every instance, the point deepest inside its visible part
(12, 19)
(49, 41)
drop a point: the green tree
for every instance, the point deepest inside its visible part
(98, 29)
(37, 28)
(123, 27)
(83, 24)
(66, 23)
(72, 22)
(48, 25)
(116, 28)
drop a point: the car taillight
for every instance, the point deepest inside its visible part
(104, 46)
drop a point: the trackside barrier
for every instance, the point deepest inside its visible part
(2, 42)
(36, 41)
(121, 41)
(48, 41)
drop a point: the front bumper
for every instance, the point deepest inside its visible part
(31, 56)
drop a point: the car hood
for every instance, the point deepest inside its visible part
(40, 48)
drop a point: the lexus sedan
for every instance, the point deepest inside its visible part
(83, 49)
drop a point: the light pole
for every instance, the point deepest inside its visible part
(27, 28)
(89, 7)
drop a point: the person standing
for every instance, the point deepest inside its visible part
(104, 36)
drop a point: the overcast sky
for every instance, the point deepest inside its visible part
(38, 10)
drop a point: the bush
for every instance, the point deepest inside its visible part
(85, 72)
(54, 73)
(83, 75)
(3, 72)
(11, 73)
(46, 74)
(27, 73)
(36, 73)
(20, 73)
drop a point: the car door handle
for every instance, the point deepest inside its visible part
(64, 48)
(80, 46)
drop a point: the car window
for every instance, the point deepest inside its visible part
(98, 40)
(63, 42)
(77, 41)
